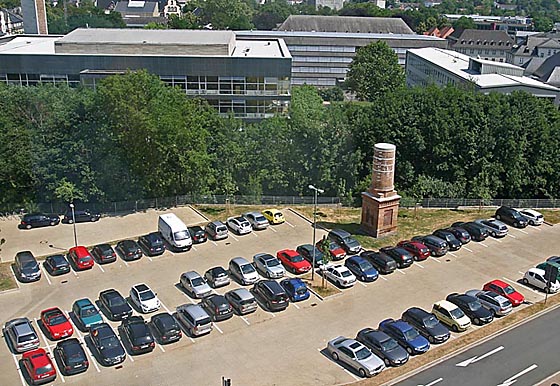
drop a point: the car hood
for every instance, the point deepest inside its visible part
(152, 303)
(516, 298)
(398, 353)
(91, 320)
(120, 309)
(112, 352)
(419, 342)
(372, 362)
(276, 269)
(352, 244)
(371, 272)
(438, 330)
(202, 289)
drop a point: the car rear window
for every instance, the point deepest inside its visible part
(222, 228)
(26, 338)
(203, 321)
(260, 219)
(44, 369)
(246, 302)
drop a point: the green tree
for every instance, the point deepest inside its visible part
(464, 23)
(227, 14)
(272, 13)
(68, 192)
(86, 15)
(332, 94)
(543, 23)
(187, 21)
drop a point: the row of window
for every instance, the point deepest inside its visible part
(323, 70)
(485, 43)
(322, 59)
(481, 52)
(320, 82)
(251, 108)
(36, 79)
(229, 85)
(321, 49)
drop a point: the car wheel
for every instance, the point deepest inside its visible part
(515, 224)
(268, 305)
(525, 281)
(387, 362)
(52, 223)
(498, 217)
(455, 328)
(268, 275)
(335, 356)
(93, 219)
(431, 339)
(409, 350)
(28, 226)
(363, 278)
(70, 221)
(362, 373)
(477, 321)
(493, 311)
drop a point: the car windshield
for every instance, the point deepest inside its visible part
(474, 306)
(431, 322)
(89, 311)
(109, 342)
(30, 265)
(333, 245)
(117, 301)
(296, 258)
(221, 229)
(182, 235)
(363, 353)
(272, 263)
(247, 268)
(301, 290)
(45, 369)
(509, 290)
(197, 281)
(26, 338)
(365, 265)
(411, 334)
(456, 313)
(147, 295)
(59, 319)
(389, 344)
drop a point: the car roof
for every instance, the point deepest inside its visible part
(217, 223)
(25, 256)
(142, 287)
(499, 283)
(537, 270)
(217, 269)
(255, 214)
(289, 252)
(265, 256)
(38, 357)
(418, 312)
(357, 259)
(446, 305)
(216, 299)
(273, 286)
(401, 325)
(80, 251)
(110, 293)
(273, 211)
(195, 310)
(191, 274)
(240, 260)
(243, 293)
(339, 268)
(22, 326)
(196, 228)
(340, 232)
(83, 302)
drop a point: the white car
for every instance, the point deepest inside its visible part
(340, 275)
(257, 220)
(535, 277)
(239, 225)
(144, 298)
(534, 217)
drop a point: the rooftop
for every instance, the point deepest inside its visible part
(345, 24)
(344, 35)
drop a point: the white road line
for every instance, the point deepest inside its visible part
(100, 267)
(161, 347)
(512, 236)
(125, 263)
(164, 307)
(296, 306)
(45, 274)
(484, 245)
(293, 226)
(363, 285)
(272, 229)
(536, 228)
(235, 238)
(352, 374)
(254, 234)
(217, 328)
(470, 250)
(188, 297)
(90, 356)
(420, 265)
(245, 320)
(523, 273)
(524, 286)
(513, 379)
(193, 247)
(401, 271)
(434, 382)
(382, 277)
(521, 230)
(453, 254)
(192, 340)
(149, 258)
(131, 358)
(496, 240)
(75, 274)
(433, 258)
(14, 275)
(19, 370)
(213, 242)
(475, 359)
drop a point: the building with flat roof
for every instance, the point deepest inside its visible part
(247, 77)
(426, 66)
(347, 24)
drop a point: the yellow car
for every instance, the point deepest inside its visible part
(274, 216)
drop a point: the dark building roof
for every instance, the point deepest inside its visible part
(474, 38)
(345, 24)
(549, 71)
(545, 40)
(141, 7)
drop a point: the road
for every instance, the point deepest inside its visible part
(523, 356)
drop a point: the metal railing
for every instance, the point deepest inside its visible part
(453, 203)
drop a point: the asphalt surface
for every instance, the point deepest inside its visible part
(522, 356)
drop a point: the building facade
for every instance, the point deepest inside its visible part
(492, 45)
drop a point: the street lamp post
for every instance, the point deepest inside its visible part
(74, 224)
(316, 192)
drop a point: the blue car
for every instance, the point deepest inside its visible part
(406, 335)
(86, 314)
(361, 268)
(296, 289)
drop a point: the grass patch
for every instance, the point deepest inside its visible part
(551, 216)
(7, 280)
(324, 291)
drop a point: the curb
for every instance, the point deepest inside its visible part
(198, 212)
(307, 219)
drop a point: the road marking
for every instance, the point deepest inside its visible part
(523, 285)
(470, 250)
(523, 273)
(475, 359)
(193, 247)
(192, 340)
(23, 382)
(164, 307)
(401, 271)
(125, 263)
(352, 374)
(90, 356)
(272, 229)
(436, 381)
(496, 240)
(433, 258)
(382, 277)
(484, 245)
(217, 328)
(296, 306)
(293, 226)
(521, 230)
(161, 347)
(131, 358)
(420, 265)
(188, 297)
(100, 267)
(149, 258)
(245, 320)
(512, 236)
(536, 228)
(235, 238)
(75, 274)
(453, 254)
(254, 234)
(512, 380)
(45, 274)
(213, 242)
(363, 285)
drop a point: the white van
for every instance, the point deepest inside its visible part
(175, 232)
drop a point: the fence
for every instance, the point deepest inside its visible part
(477, 202)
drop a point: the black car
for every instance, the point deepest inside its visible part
(109, 348)
(306, 251)
(56, 265)
(427, 324)
(382, 345)
(345, 240)
(166, 328)
(472, 307)
(272, 293)
(217, 307)
(477, 232)
(138, 335)
(400, 255)
(129, 250)
(104, 253)
(198, 235)
(511, 216)
(460, 234)
(84, 215)
(381, 261)
(445, 234)
(36, 220)
(26, 267)
(438, 247)
(114, 304)
(71, 356)
(152, 244)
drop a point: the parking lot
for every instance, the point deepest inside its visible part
(262, 348)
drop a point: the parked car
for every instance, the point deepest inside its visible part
(242, 301)
(84, 215)
(72, 357)
(452, 241)
(244, 271)
(345, 240)
(495, 227)
(534, 217)
(56, 323)
(535, 277)
(257, 220)
(175, 232)
(217, 307)
(361, 268)
(451, 315)
(166, 328)
(195, 284)
(85, 314)
(114, 304)
(198, 235)
(144, 298)
(339, 275)
(402, 257)
(295, 289)
(26, 267)
(511, 216)
(21, 335)
(104, 253)
(427, 324)
(306, 251)
(108, 347)
(36, 220)
(418, 250)
(496, 304)
(461, 234)
(477, 232)
(216, 230)
(472, 307)
(194, 319)
(335, 250)
(382, 345)
(217, 277)
(543, 267)
(138, 334)
(381, 261)
(406, 335)
(272, 294)
(152, 243)
(554, 259)
(293, 261)
(56, 265)
(273, 216)
(39, 366)
(239, 225)
(356, 355)
(81, 258)
(268, 265)
(504, 289)
(438, 247)
(129, 250)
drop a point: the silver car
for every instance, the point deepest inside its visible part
(239, 225)
(495, 228)
(21, 335)
(242, 300)
(257, 220)
(356, 355)
(497, 304)
(194, 319)
(244, 271)
(269, 265)
(195, 284)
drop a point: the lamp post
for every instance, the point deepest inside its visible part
(316, 192)
(74, 224)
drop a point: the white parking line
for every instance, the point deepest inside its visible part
(90, 356)
(217, 328)
(149, 258)
(362, 283)
(420, 265)
(213, 242)
(484, 245)
(512, 236)
(45, 274)
(521, 230)
(164, 307)
(523, 273)
(401, 271)
(433, 258)
(125, 263)
(352, 374)
(75, 273)
(100, 267)
(194, 248)
(161, 347)
(470, 250)
(536, 228)
(296, 306)
(453, 254)
(188, 297)
(131, 358)
(496, 240)
(524, 286)
(235, 238)
(254, 234)
(293, 226)
(382, 277)
(245, 320)
(272, 229)
(19, 370)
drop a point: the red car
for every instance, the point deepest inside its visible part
(39, 366)
(81, 258)
(293, 261)
(336, 251)
(56, 323)
(505, 290)
(418, 250)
